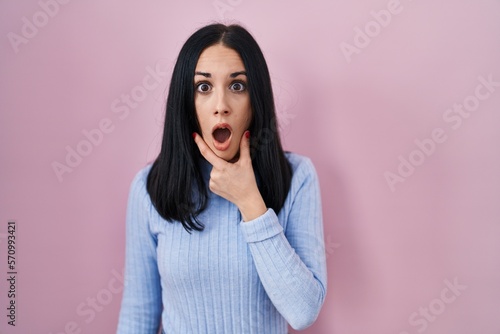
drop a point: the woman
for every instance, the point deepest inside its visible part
(224, 230)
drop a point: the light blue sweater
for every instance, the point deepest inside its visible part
(234, 276)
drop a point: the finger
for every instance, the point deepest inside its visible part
(245, 147)
(207, 152)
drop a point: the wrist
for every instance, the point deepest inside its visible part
(252, 207)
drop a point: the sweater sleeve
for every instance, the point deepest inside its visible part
(141, 304)
(291, 263)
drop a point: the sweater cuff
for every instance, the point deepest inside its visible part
(261, 228)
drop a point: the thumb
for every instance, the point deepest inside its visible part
(245, 146)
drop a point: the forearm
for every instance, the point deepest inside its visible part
(296, 290)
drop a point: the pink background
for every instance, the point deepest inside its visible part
(391, 252)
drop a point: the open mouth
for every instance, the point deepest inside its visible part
(222, 136)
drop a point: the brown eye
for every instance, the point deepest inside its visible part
(238, 86)
(203, 87)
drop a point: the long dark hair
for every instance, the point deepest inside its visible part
(175, 183)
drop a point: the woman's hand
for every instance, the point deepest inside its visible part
(235, 181)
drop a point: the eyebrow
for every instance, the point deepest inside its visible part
(232, 75)
(235, 74)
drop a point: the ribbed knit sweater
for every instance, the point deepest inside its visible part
(232, 277)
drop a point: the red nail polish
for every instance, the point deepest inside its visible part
(247, 134)
(194, 135)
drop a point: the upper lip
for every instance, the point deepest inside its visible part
(222, 125)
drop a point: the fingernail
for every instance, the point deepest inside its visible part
(247, 134)
(194, 135)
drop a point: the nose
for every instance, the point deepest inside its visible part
(221, 105)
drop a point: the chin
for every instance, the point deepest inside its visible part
(227, 156)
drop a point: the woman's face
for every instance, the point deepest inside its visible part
(221, 100)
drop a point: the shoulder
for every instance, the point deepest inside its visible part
(142, 175)
(304, 174)
(139, 182)
(302, 166)
(304, 193)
